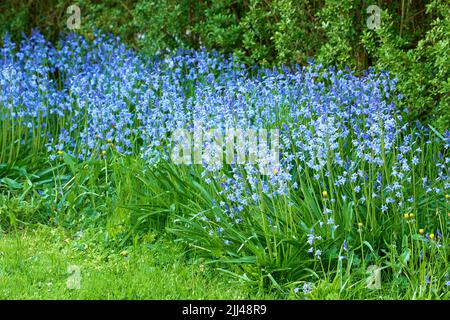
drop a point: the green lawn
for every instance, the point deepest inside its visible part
(34, 265)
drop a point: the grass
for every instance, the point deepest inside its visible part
(34, 265)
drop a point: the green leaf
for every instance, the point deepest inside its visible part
(12, 184)
(437, 133)
(404, 257)
(68, 160)
(368, 245)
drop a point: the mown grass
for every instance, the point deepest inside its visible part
(34, 265)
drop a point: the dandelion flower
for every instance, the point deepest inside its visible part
(124, 253)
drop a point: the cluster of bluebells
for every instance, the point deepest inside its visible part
(90, 97)
(306, 288)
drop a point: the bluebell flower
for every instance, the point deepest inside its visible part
(317, 254)
(307, 288)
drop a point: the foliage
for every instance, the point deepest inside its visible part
(420, 64)
(357, 185)
(86, 135)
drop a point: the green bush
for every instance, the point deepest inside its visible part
(421, 64)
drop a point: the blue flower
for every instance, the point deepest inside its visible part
(307, 288)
